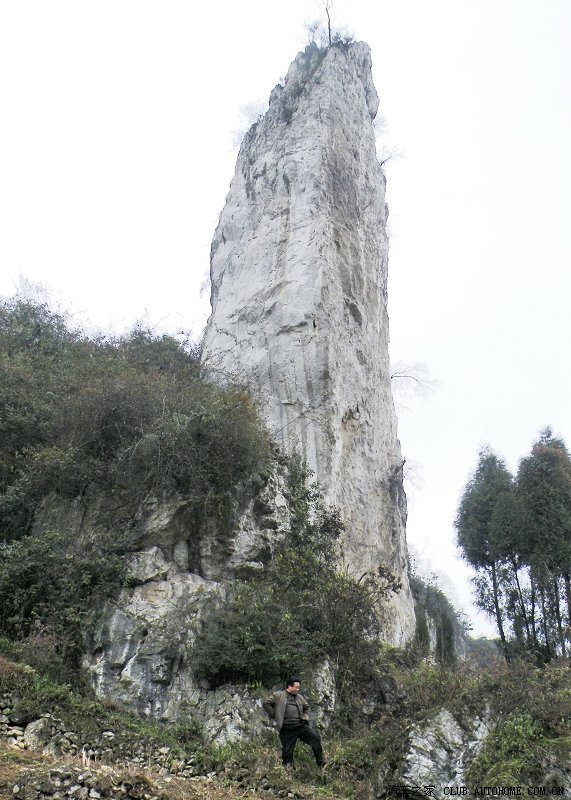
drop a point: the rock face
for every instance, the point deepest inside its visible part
(138, 650)
(299, 300)
(440, 751)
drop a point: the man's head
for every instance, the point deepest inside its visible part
(293, 685)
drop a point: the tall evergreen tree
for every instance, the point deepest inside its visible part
(484, 528)
(544, 486)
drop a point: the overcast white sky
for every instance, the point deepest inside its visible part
(118, 119)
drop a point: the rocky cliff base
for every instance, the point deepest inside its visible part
(498, 728)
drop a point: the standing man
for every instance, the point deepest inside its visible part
(289, 709)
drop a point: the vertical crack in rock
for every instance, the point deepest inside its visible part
(299, 300)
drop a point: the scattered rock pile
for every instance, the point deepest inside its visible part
(56, 784)
(50, 735)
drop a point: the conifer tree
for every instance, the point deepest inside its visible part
(484, 529)
(544, 486)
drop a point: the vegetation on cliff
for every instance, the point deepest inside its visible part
(125, 419)
(280, 620)
(433, 610)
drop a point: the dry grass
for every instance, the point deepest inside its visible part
(17, 765)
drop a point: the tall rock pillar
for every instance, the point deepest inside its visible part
(299, 300)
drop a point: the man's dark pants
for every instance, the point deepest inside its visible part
(289, 736)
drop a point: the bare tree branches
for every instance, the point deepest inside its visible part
(411, 380)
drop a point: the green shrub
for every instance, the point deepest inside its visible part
(510, 754)
(431, 686)
(130, 416)
(13, 677)
(46, 591)
(205, 443)
(543, 693)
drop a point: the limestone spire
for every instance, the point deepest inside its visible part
(299, 299)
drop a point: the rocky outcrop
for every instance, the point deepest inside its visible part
(299, 271)
(138, 650)
(139, 646)
(299, 300)
(440, 750)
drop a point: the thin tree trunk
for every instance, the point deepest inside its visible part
(521, 602)
(497, 609)
(567, 579)
(544, 623)
(532, 613)
(558, 615)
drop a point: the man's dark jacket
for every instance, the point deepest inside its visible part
(275, 704)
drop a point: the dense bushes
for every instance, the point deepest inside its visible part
(299, 611)
(131, 415)
(532, 709)
(509, 755)
(46, 589)
(127, 419)
(202, 446)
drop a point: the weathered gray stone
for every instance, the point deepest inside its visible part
(139, 646)
(37, 733)
(261, 526)
(299, 300)
(558, 778)
(440, 750)
(17, 717)
(149, 565)
(58, 745)
(323, 695)
(229, 713)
